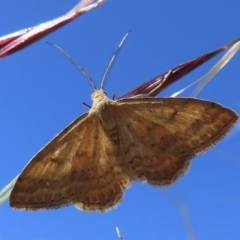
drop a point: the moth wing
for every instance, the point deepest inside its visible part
(159, 136)
(74, 168)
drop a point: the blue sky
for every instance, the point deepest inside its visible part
(41, 93)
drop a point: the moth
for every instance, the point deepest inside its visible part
(91, 162)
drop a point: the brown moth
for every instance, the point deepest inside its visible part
(92, 161)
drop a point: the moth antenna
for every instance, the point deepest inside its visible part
(81, 68)
(112, 59)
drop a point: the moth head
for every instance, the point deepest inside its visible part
(98, 96)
